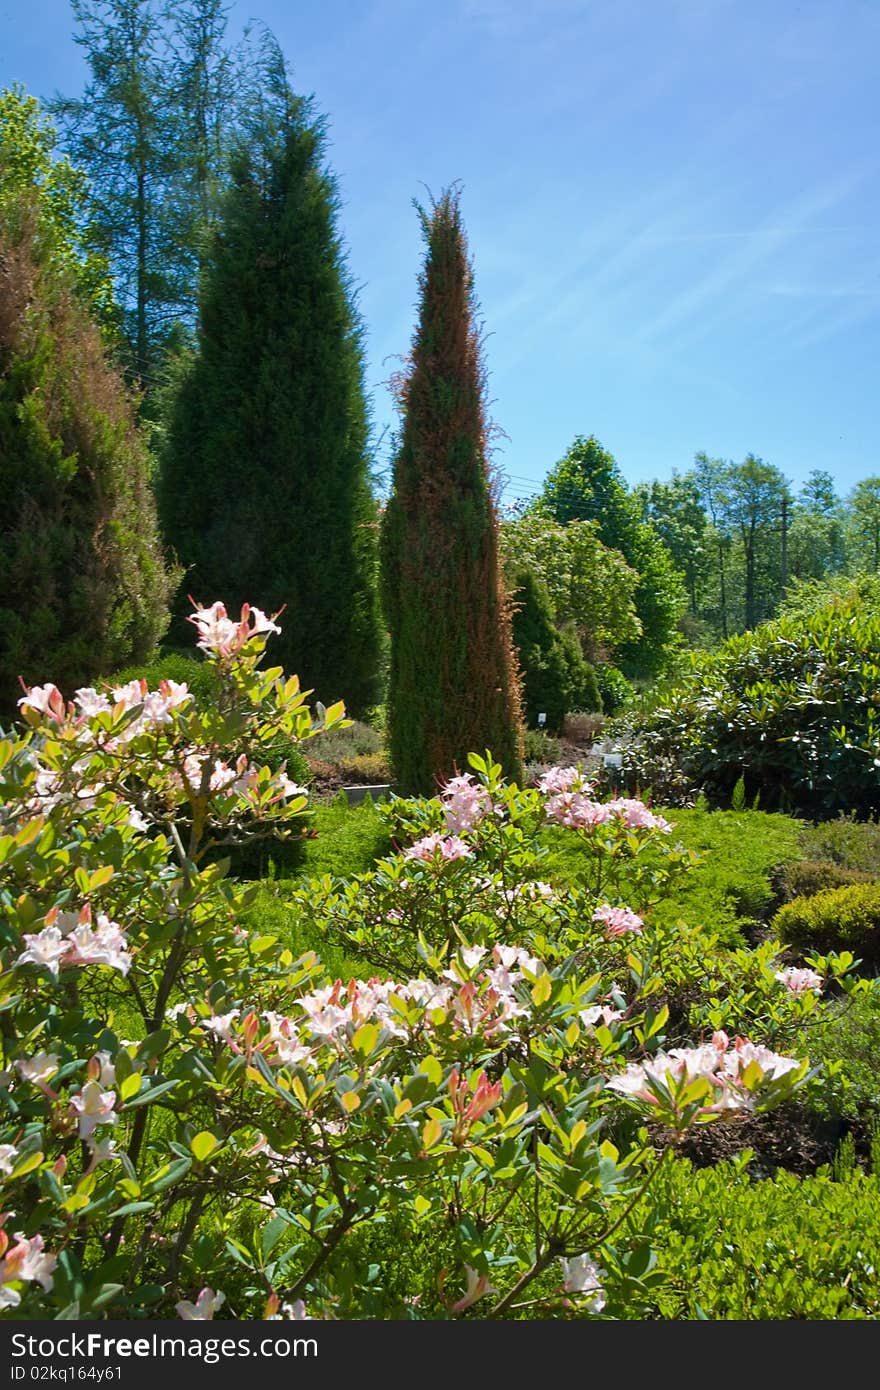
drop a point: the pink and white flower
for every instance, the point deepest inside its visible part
(46, 948)
(28, 1262)
(46, 700)
(582, 1275)
(203, 1309)
(37, 1069)
(220, 634)
(93, 1107)
(466, 804)
(735, 1075)
(636, 816)
(800, 979)
(437, 848)
(478, 1286)
(618, 921)
(563, 779)
(91, 702)
(576, 811)
(104, 944)
(131, 695)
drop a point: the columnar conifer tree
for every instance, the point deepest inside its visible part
(265, 491)
(453, 680)
(84, 588)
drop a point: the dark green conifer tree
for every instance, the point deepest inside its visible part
(264, 489)
(542, 657)
(453, 683)
(84, 587)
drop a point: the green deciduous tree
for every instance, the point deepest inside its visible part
(264, 487)
(153, 131)
(453, 685)
(32, 173)
(676, 512)
(120, 132)
(758, 502)
(864, 517)
(587, 485)
(591, 587)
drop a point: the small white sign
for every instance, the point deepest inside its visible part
(542, 720)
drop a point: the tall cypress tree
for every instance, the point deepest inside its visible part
(264, 489)
(453, 682)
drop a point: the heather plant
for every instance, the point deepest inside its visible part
(197, 1120)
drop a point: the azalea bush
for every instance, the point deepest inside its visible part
(198, 1120)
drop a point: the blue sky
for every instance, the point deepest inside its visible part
(672, 205)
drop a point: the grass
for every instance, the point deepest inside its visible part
(730, 887)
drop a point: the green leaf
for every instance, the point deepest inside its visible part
(27, 1165)
(146, 1096)
(431, 1068)
(365, 1039)
(204, 1144)
(130, 1086)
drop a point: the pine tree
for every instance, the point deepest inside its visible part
(453, 683)
(264, 487)
(83, 582)
(121, 131)
(152, 131)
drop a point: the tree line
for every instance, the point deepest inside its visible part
(742, 537)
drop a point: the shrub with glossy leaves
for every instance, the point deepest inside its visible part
(794, 703)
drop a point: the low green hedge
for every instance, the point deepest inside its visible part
(837, 919)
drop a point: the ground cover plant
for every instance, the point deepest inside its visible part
(195, 1119)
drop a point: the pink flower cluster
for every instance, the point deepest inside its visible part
(600, 1013)
(563, 779)
(88, 703)
(636, 816)
(475, 1000)
(617, 921)
(439, 849)
(582, 1275)
(578, 812)
(466, 803)
(735, 1074)
(800, 979)
(25, 1262)
(221, 634)
(201, 777)
(203, 1309)
(69, 939)
(92, 1107)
